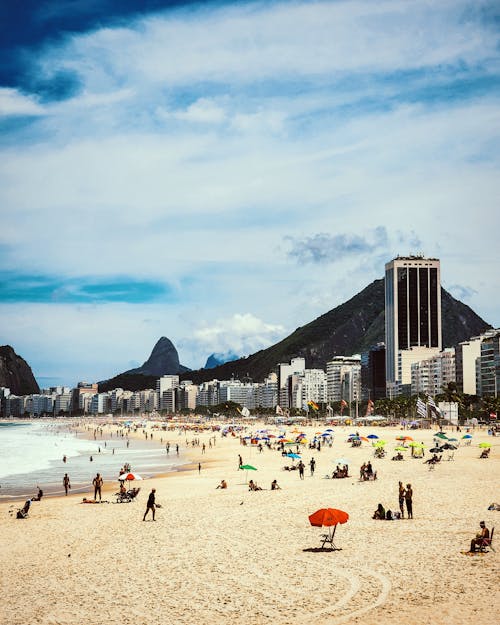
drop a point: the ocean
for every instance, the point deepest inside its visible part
(31, 455)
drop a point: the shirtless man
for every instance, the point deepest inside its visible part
(97, 482)
(478, 541)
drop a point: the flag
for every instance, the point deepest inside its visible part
(493, 415)
(279, 410)
(343, 404)
(432, 404)
(245, 412)
(369, 407)
(312, 404)
(421, 408)
(329, 409)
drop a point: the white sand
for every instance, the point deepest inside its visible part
(234, 556)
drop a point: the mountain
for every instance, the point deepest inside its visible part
(15, 373)
(164, 360)
(214, 360)
(348, 329)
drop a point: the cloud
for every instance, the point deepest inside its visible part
(326, 248)
(461, 292)
(241, 334)
(14, 103)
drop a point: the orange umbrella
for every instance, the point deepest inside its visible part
(328, 517)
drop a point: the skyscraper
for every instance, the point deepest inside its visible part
(412, 317)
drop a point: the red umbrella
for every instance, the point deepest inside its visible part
(328, 517)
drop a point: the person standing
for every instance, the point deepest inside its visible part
(312, 465)
(151, 505)
(409, 501)
(66, 483)
(97, 482)
(401, 497)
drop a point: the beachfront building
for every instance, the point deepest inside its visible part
(284, 371)
(186, 395)
(62, 401)
(243, 393)
(488, 378)
(412, 317)
(307, 386)
(81, 396)
(343, 379)
(15, 405)
(467, 355)
(267, 392)
(433, 375)
(40, 404)
(208, 394)
(165, 388)
(4, 393)
(99, 403)
(373, 373)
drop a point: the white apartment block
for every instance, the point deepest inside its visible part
(63, 402)
(432, 376)
(343, 379)
(243, 393)
(284, 371)
(98, 403)
(165, 389)
(267, 392)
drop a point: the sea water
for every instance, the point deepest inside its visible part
(32, 453)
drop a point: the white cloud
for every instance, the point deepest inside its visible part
(13, 103)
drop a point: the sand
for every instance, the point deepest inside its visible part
(234, 556)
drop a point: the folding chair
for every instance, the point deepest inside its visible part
(328, 538)
(487, 543)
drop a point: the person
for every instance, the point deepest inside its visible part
(240, 461)
(274, 485)
(409, 501)
(38, 496)
(312, 465)
(480, 538)
(97, 482)
(151, 504)
(379, 513)
(66, 483)
(253, 485)
(64, 459)
(223, 484)
(123, 490)
(22, 513)
(301, 470)
(401, 496)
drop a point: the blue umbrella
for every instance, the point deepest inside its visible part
(372, 436)
(293, 456)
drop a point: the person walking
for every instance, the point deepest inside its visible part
(151, 505)
(97, 482)
(301, 470)
(401, 496)
(409, 501)
(66, 483)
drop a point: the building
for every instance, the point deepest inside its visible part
(489, 365)
(165, 388)
(343, 379)
(267, 392)
(243, 393)
(373, 373)
(83, 389)
(433, 375)
(412, 317)
(467, 355)
(284, 371)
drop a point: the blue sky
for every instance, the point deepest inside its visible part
(222, 173)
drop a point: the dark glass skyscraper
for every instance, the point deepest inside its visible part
(412, 315)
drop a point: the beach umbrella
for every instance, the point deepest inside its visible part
(400, 448)
(448, 446)
(372, 436)
(129, 477)
(467, 436)
(247, 468)
(294, 456)
(441, 435)
(484, 444)
(453, 440)
(407, 438)
(330, 518)
(380, 443)
(435, 450)
(416, 445)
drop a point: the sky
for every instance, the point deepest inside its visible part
(222, 173)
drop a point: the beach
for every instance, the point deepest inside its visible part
(235, 556)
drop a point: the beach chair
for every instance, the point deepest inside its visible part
(487, 542)
(328, 539)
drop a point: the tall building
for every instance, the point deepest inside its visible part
(343, 379)
(489, 365)
(373, 373)
(412, 317)
(284, 370)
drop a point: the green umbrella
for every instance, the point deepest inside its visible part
(484, 444)
(416, 445)
(441, 435)
(400, 448)
(247, 468)
(380, 443)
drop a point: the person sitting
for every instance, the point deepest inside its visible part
(485, 453)
(398, 456)
(22, 513)
(432, 460)
(253, 485)
(275, 486)
(38, 496)
(481, 539)
(379, 513)
(123, 490)
(223, 484)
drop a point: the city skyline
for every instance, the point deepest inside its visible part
(222, 173)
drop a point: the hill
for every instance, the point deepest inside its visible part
(15, 373)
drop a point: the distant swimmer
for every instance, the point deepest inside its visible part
(64, 459)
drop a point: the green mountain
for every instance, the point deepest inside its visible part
(348, 329)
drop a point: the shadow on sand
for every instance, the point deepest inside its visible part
(320, 549)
